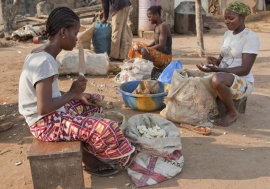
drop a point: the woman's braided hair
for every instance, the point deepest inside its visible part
(60, 17)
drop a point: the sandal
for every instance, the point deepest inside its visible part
(102, 173)
(197, 129)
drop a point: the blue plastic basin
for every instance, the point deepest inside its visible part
(148, 102)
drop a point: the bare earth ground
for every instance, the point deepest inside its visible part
(238, 158)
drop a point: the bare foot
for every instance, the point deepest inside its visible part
(227, 119)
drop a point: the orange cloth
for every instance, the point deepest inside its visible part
(160, 59)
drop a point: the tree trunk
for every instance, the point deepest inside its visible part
(9, 11)
(199, 25)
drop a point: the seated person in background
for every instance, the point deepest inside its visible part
(160, 50)
(233, 78)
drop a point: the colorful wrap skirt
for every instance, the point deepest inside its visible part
(103, 137)
(159, 59)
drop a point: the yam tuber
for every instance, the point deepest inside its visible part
(138, 90)
(145, 87)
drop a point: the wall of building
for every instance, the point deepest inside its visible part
(134, 16)
(1, 14)
(168, 12)
(223, 3)
(205, 4)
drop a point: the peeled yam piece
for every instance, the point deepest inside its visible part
(155, 132)
(146, 136)
(139, 127)
(157, 127)
(150, 88)
(160, 134)
(145, 129)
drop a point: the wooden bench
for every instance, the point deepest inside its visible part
(240, 106)
(56, 165)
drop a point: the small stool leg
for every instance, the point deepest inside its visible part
(240, 106)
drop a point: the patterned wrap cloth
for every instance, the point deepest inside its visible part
(103, 137)
(160, 59)
(239, 7)
(241, 88)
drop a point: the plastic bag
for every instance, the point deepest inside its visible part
(138, 70)
(102, 37)
(166, 75)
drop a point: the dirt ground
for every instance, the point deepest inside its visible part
(233, 157)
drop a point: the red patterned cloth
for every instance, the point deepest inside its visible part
(103, 137)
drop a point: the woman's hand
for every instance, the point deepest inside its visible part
(212, 60)
(47, 104)
(101, 17)
(137, 48)
(87, 99)
(207, 68)
(78, 86)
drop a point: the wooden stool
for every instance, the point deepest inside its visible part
(240, 105)
(56, 164)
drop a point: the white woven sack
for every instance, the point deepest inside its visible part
(190, 98)
(96, 64)
(155, 146)
(159, 159)
(147, 170)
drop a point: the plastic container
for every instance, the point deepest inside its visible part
(149, 102)
(36, 40)
(39, 39)
(102, 37)
(144, 5)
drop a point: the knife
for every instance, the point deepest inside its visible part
(81, 64)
